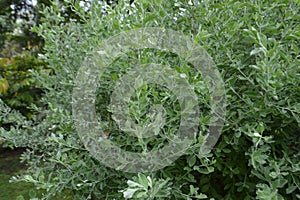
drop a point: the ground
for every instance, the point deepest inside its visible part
(10, 165)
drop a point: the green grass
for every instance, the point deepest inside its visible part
(9, 166)
(13, 190)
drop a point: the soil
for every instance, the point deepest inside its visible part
(9, 160)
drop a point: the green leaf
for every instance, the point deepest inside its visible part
(291, 189)
(20, 198)
(201, 196)
(128, 193)
(142, 179)
(134, 184)
(192, 160)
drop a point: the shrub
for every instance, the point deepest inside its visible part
(255, 45)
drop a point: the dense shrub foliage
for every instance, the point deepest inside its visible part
(255, 45)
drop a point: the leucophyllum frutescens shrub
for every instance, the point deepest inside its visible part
(254, 44)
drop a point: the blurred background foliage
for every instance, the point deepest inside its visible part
(19, 49)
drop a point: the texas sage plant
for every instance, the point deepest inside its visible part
(255, 47)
